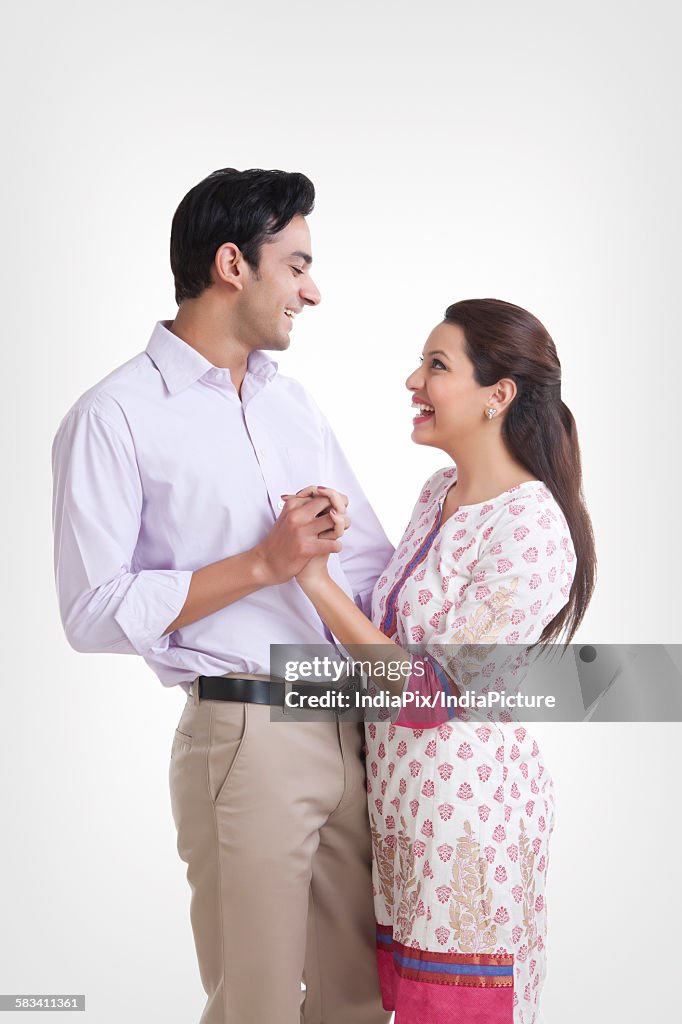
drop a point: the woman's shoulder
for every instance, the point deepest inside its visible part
(437, 483)
(532, 518)
(532, 502)
(432, 491)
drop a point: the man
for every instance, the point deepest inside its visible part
(172, 541)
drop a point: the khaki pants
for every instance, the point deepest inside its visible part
(272, 824)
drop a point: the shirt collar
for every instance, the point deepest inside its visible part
(261, 365)
(180, 365)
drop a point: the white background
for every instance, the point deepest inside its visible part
(525, 151)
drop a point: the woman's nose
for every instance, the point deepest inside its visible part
(414, 380)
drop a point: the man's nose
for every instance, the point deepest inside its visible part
(310, 293)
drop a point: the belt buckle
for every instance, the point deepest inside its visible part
(352, 685)
(288, 688)
(299, 713)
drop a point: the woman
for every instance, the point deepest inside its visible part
(498, 551)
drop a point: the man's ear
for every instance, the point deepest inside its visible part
(229, 265)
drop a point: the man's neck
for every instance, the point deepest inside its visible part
(198, 325)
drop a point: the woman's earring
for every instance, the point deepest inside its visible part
(490, 412)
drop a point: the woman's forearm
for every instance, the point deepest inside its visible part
(358, 635)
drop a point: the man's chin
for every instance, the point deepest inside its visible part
(276, 344)
(273, 344)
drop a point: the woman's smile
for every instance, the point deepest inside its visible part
(424, 411)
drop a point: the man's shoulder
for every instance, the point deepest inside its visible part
(108, 397)
(290, 384)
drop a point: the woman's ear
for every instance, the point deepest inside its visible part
(504, 393)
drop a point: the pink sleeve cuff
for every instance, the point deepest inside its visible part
(425, 697)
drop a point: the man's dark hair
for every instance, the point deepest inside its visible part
(243, 207)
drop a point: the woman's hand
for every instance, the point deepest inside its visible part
(316, 571)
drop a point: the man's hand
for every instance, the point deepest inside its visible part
(316, 571)
(308, 528)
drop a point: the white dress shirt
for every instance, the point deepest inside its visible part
(159, 470)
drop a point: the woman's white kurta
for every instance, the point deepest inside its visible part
(461, 813)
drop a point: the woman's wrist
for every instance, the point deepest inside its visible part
(316, 587)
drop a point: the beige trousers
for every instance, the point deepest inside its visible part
(272, 824)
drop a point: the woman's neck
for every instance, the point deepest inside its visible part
(481, 479)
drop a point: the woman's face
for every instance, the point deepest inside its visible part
(444, 382)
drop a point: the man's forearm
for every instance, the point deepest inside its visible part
(304, 529)
(222, 583)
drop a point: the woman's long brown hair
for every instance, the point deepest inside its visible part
(503, 340)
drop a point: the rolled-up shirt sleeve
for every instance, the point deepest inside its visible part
(106, 602)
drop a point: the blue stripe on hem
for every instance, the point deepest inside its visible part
(486, 970)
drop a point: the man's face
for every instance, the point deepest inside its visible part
(274, 295)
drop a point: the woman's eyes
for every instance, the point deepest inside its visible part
(435, 363)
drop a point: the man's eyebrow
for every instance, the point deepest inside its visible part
(305, 256)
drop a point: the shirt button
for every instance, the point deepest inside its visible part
(280, 504)
(262, 452)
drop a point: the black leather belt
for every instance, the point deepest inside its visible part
(249, 690)
(252, 691)
(244, 691)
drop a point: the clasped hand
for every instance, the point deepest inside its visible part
(328, 508)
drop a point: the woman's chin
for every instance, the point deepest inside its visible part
(419, 438)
